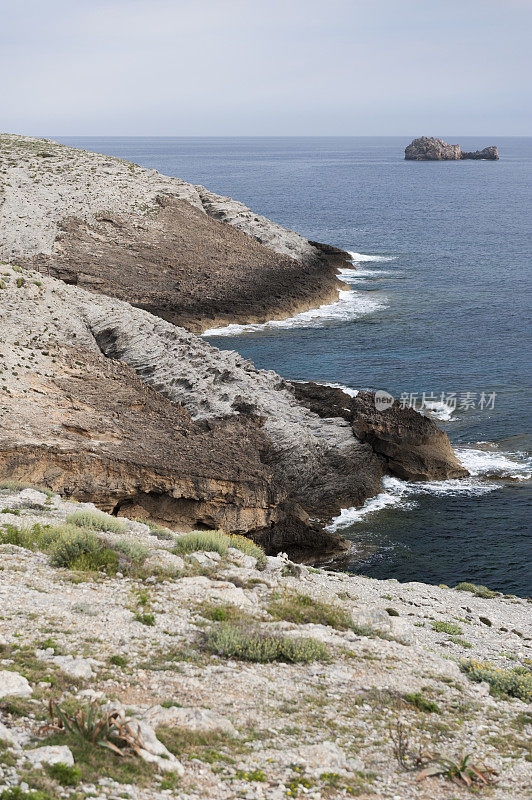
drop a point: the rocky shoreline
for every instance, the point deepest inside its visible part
(427, 148)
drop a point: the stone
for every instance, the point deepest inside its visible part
(197, 720)
(164, 562)
(6, 735)
(51, 754)
(14, 685)
(154, 751)
(241, 559)
(323, 757)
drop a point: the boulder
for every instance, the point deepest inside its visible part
(163, 562)
(50, 754)
(14, 685)
(154, 751)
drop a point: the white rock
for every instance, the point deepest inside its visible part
(154, 751)
(56, 754)
(74, 667)
(200, 720)
(374, 618)
(322, 757)
(14, 685)
(164, 562)
(6, 735)
(241, 559)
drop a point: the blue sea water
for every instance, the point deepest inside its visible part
(440, 305)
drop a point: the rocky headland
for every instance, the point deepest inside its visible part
(106, 399)
(427, 148)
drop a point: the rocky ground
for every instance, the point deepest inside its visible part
(175, 249)
(225, 728)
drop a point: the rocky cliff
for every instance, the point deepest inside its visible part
(429, 149)
(185, 254)
(106, 398)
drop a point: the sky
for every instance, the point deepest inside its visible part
(265, 67)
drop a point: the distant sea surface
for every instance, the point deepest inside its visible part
(440, 302)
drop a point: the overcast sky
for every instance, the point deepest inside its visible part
(265, 67)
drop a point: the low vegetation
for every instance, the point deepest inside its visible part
(447, 627)
(479, 591)
(96, 521)
(516, 682)
(242, 644)
(302, 609)
(218, 542)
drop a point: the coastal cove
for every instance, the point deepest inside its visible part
(440, 248)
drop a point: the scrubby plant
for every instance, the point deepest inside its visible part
(302, 609)
(447, 627)
(254, 645)
(136, 551)
(17, 486)
(64, 774)
(146, 618)
(118, 660)
(97, 725)
(218, 542)
(461, 772)
(516, 683)
(96, 521)
(421, 702)
(80, 549)
(479, 591)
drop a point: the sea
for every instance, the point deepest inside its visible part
(435, 314)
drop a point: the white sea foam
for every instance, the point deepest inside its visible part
(347, 274)
(492, 463)
(487, 469)
(345, 389)
(350, 305)
(364, 257)
(438, 409)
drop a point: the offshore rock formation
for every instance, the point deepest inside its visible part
(177, 250)
(411, 445)
(429, 149)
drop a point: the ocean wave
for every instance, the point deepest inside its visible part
(345, 389)
(358, 257)
(346, 273)
(438, 409)
(350, 305)
(487, 469)
(493, 463)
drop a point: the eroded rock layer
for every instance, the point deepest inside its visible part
(185, 254)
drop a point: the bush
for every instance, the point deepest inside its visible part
(479, 591)
(515, 682)
(134, 550)
(80, 549)
(253, 645)
(302, 609)
(447, 627)
(423, 703)
(64, 774)
(218, 542)
(96, 521)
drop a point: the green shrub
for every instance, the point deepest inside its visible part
(146, 618)
(447, 627)
(16, 793)
(119, 661)
(424, 704)
(302, 609)
(96, 521)
(17, 486)
(479, 591)
(253, 645)
(218, 542)
(82, 550)
(136, 551)
(226, 612)
(64, 774)
(502, 681)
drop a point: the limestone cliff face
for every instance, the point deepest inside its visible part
(429, 149)
(184, 253)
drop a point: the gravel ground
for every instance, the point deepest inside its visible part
(257, 730)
